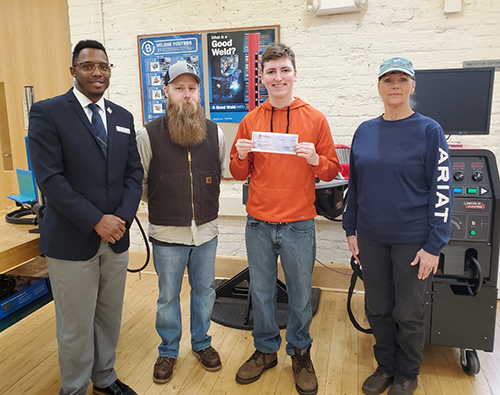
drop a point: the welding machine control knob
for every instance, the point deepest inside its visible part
(477, 176)
(458, 176)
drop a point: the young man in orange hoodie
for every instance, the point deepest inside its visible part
(281, 215)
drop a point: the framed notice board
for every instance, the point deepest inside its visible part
(221, 60)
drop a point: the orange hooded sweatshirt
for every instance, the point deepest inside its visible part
(282, 187)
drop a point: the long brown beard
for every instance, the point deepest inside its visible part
(186, 123)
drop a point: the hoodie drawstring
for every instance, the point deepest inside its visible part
(287, 118)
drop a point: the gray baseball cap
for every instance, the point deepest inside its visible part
(397, 63)
(181, 68)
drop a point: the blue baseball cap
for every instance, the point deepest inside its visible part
(397, 63)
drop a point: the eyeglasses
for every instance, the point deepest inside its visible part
(89, 67)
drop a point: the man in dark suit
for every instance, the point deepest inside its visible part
(84, 155)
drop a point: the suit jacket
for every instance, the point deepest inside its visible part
(79, 183)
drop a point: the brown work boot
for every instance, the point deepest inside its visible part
(164, 368)
(377, 383)
(209, 359)
(253, 368)
(306, 382)
(403, 386)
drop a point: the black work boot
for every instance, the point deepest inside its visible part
(377, 383)
(403, 386)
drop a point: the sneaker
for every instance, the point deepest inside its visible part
(253, 368)
(163, 370)
(209, 359)
(116, 388)
(377, 383)
(403, 386)
(306, 382)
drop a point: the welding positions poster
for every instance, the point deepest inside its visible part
(157, 54)
(228, 70)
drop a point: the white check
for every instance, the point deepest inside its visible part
(278, 143)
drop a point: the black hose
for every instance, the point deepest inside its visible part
(356, 273)
(148, 251)
(477, 276)
(7, 286)
(16, 217)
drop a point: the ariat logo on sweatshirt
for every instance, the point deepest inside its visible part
(442, 181)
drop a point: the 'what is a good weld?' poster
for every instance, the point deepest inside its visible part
(228, 69)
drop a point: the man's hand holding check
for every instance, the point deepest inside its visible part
(278, 143)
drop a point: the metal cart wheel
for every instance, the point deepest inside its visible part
(470, 361)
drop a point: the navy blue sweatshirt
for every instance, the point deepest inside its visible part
(400, 188)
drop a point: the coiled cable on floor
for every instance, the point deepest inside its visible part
(7, 286)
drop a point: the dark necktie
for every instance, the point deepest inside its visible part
(99, 130)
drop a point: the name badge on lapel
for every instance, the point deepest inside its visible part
(121, 129)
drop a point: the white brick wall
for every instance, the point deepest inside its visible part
(337, 61)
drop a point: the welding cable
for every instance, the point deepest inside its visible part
(7, 286)
(148, 251)
(473, 263)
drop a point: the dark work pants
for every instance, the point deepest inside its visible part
(395, 305)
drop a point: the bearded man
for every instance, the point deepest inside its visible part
(183, 155)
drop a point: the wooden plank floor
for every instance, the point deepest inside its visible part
(342, 356)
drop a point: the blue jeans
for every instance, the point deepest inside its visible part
(170, 263)
(395, 305)
(295, 243)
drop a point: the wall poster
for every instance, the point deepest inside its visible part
(228, 70)
(221, 59)
(157, 54)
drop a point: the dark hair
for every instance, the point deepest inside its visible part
(277, 51)
(86, 44)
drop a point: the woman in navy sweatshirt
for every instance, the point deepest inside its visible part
(397, 221)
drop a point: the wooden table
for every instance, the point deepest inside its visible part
(17, 245)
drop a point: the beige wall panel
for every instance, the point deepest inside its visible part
(35, 50)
